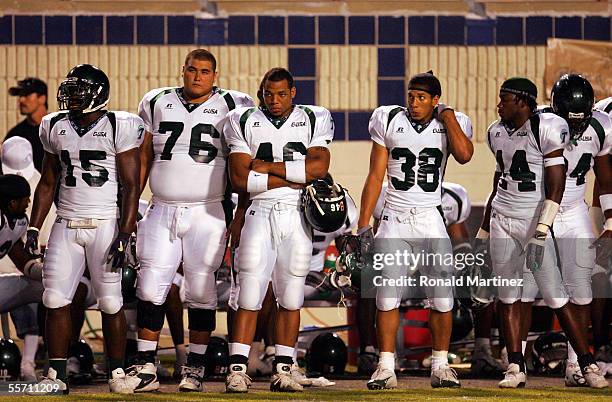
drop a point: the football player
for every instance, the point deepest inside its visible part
(589, 145)
(92, 152)
(412, 144)
(184, 158)
(528, 186)
(274, 151)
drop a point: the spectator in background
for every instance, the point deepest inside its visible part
(32, 93)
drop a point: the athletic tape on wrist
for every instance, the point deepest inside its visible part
(547, 216)
(606, 201)
(558, 160)
(257, 182)
(295, 171)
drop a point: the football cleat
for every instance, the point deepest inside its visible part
(118, 384)
(594, 377)
(513, 377)
(283, 381)
(444, 377)
(367, 363)
(382, 379)
(49, 385)
(299, 375)
(143, 378)
(573, 375)
(237, 381)
(192, 380)
(485, 366)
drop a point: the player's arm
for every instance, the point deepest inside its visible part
(30, 267)
(314, 167)
(246, 180)
(235, 227)
(45, 191)
(379, 156)
(128, 166)
(146, 159)
(459, 144)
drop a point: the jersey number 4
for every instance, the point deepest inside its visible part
(430, 161)
(264, 151)
(86, 157)
(196, 144)
(519, 171)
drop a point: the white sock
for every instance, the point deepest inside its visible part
(30, 345)
(482, 345)
(439, 359)
(146, 346)
(572, 357)
(236, 348)
(282, 350)
(523, 347)
(197, 348)
(387, 360)
(181, 354)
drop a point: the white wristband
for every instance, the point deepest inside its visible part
(606, 201)
(547, 215)
(482, 234)
(33, 228)
(257, 182)
(558, 160)
(608, 224)
(295, 171)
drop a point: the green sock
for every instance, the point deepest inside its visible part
(59, 365)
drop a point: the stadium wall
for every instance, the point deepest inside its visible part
(349, 64)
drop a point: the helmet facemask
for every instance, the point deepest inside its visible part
(578, 123)
(78, 96)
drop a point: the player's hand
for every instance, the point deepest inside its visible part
(131, 259)
(439, 110)
(259, 166)
(481, 296)
(234, 229)
(603, 246)
(366, 239)
(33, 270)
(31, 245)
(118, 250)
(535, 251)
(296, 186)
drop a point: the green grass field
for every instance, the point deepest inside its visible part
(560, 394)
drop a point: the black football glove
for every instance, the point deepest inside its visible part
(535, 251)
(118, 250)
(366, 240)
(31, 246)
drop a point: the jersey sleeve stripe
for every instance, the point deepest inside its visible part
(113, 121)
(608, 108)
(231, 105)
(55, 119)
(601, 134)
(458, 200)
(243, 119)
(312, 118)
(154, 100)
(535, 129)
(392, 114)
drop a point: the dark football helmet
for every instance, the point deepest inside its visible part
(10, 360)
(572, 98)
(128, 284)
(324, 205)
(216, 357)
(549, 353)
(85, 90)
(327, 355)
(83, 353)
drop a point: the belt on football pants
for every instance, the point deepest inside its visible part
(89, 223)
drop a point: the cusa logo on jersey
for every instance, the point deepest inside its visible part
(99, 134)
(62, 132)
(209, 111)
(439, 130)
(298, 124)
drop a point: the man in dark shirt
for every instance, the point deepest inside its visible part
(32, 93)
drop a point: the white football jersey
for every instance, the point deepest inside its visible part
(320, 240)
(595, 141)
(605, 105)
(9, 235)
(520, 158)
(89, 178)
(455, 204)
(417, 156)
(249, 130)
(190, 155)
